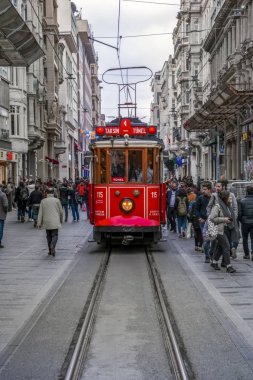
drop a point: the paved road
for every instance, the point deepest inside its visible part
(221, 310)
(28, 274)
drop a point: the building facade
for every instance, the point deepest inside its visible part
(46, 96)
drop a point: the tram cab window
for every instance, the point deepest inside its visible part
(135, 166)
(103, 166)
(118, 165)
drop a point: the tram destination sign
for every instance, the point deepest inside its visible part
(125, 128)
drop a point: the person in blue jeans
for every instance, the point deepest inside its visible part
(74, 201)
(181, 208)
(3, 213)
(201, 213)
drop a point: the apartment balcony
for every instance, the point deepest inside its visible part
(85, 34)
(19, 47)
(60, 147)
(36, 137)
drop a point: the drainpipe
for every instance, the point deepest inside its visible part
(238, 150)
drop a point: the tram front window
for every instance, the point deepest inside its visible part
(135, 166)
(118, 166)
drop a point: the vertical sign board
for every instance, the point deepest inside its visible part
(153, 200)
(100, 203)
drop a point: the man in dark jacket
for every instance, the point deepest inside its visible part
(64, 194)
(245, 216)
(201, 213)
(171, 197)
(34, 201)
(3, 213)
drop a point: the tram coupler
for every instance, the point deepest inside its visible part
(127, 239)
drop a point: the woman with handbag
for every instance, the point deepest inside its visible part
(222, 215)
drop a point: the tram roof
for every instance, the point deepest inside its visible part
(127, 143)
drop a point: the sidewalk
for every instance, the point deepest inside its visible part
(28, 274)
(232, 293)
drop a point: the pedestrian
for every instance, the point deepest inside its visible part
(30, 187)
(81, 189)
(64, 198)
(34, 201)
(223, 216)
(201, 214)
(181, 207)
(171, 196)
(51, 217)
(21, 197)
(86, 197)
(245, 216)
(73, 201)
(3, 213)
(219, 186)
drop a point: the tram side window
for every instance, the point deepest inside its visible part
(118, 165)
(135, 171)
(103, 166)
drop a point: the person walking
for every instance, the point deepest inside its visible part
(245, 216)
(34, 201)
(170, 202)
(73, 201)
(181, 207)
(222, 214)
(201, 214)
(21, 197)
(3, 213)
(51, 217)
(64, 198)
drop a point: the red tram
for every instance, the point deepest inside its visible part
(127, 196)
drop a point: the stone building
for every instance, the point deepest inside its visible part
(21, 46)
(224, 120)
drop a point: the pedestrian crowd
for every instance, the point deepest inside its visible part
(44, 203)
(213, 216)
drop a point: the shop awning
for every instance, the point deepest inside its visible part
(52, 160)
(18, 45)
(224, 104)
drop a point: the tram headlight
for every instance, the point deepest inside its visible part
(127, 205)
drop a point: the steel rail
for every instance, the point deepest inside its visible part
(176, 357)
(75, 366)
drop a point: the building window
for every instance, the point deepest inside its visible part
(24, 11)
(14, 120)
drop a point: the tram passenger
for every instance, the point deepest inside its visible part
(119, 169)
(149, 173)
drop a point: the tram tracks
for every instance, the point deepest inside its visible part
(80, 347)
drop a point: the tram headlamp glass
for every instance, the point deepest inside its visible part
(127, 205)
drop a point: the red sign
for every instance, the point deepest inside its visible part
(9, 156)
(118, 179)
(125, 128)
(100, 203)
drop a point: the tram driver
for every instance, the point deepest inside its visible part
(118, 170)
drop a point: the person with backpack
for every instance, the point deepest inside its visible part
(34, 201)
(181, 207)
(21, 198)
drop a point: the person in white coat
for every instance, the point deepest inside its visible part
(51, 218)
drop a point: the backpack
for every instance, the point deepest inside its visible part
(23, 195)
(182, 208)
(77, 197)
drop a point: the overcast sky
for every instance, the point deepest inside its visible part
(135, 18)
